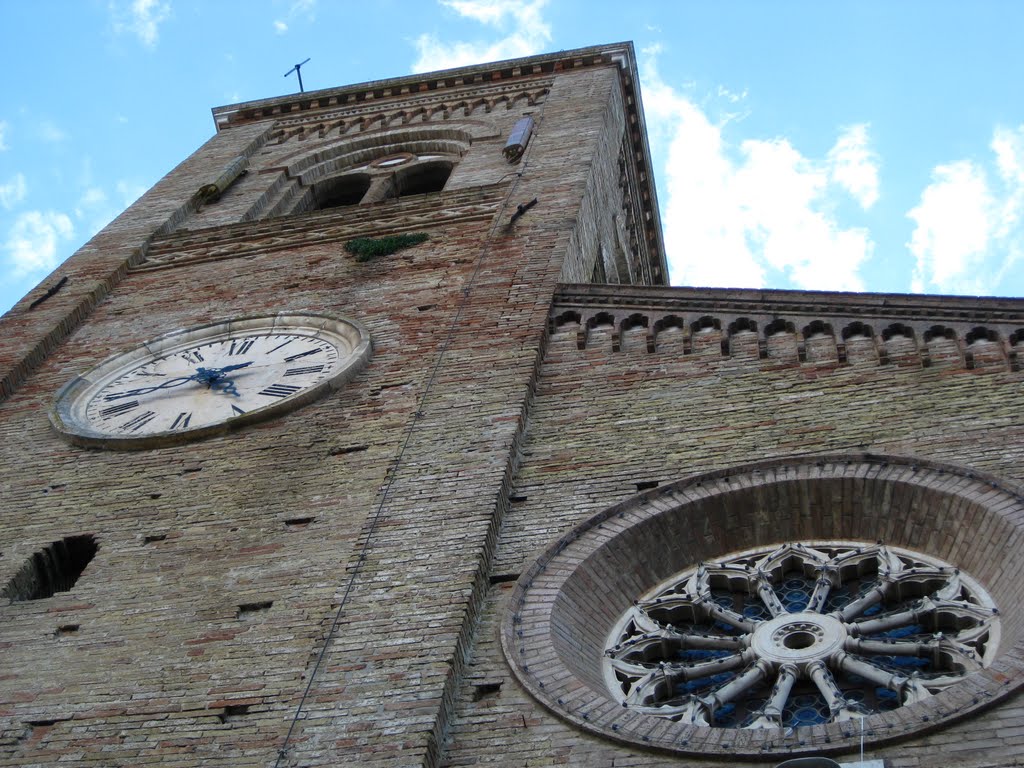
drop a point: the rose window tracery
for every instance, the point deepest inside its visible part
(800, 634)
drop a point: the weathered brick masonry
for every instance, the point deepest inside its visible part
(326, 588)
(641, 387)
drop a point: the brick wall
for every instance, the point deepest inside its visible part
(621, 407)
(192, 635)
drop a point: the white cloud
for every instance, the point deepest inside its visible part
(48, 131)
(305, 8)
(13, 192)
(853, 165)
(92, 198)
(968, 232)
(733, 215)
(33, 241)
(3, 136)
(141, 18)
(524, 33)
(484, 11)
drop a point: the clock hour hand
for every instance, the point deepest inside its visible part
(227, 368)
(214, 378)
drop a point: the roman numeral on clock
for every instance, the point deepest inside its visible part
(134, 425)
(115, 410)
(241, 347)
(280, 390)
(181, 422)
(303, 371)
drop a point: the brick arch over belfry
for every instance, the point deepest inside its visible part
(304, 173)
(309, 160)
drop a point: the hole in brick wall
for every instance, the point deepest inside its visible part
(155, 495)
(299, 522)
(517, 499)
(247, 610)
(483, 690)
(503, 578)
(187, 470)
(341, 450)
(232, 711)
(425, 307)
(647, 485)
(154, 537)
(53, 569)
(68, 629)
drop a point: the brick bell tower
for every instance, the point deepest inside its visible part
(372, 436)
(258, 434)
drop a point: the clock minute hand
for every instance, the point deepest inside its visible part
(146, 390)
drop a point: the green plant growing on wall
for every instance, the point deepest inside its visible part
(366, 248)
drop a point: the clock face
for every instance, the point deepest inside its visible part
(207, 380)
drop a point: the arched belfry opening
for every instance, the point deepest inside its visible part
(423, 178)
(367, 169)
(341, 191)
(387, 178)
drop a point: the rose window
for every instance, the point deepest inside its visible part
(801, 634)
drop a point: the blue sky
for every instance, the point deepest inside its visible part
(842, 146)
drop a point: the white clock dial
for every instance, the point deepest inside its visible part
(206, 380)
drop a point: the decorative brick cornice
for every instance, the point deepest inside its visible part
(790, 327)
(412, 85)
(531, 70)
(783, 302)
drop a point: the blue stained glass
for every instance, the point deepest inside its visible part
(692, 655)
(796, 601)
(902, 663)
(807, 716)
(901, 632)
(755, 612)
(725, 716)
(704, 685)
(886, 699)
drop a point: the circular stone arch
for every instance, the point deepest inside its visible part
(565, 606)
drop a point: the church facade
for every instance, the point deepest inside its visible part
(373, 435)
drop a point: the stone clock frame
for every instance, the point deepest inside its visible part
(70, 417)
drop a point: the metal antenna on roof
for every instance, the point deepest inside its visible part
(297, 69)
